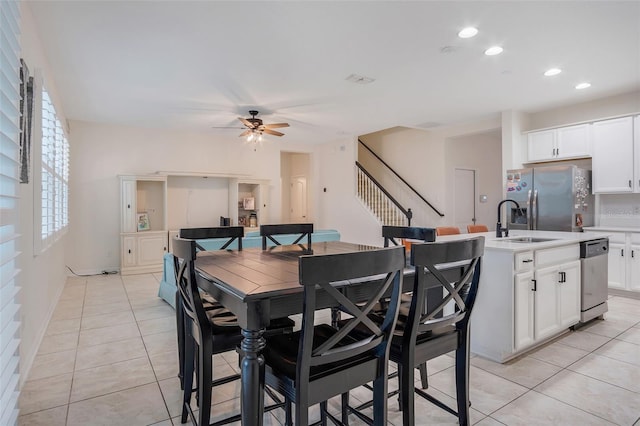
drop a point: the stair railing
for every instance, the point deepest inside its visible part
(402, 179)
(386, 208)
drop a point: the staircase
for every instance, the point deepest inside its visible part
(380, 203)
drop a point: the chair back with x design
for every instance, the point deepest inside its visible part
(268, 232)
(390, 233)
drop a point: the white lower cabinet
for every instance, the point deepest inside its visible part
(143, 252)
(545, 302)
(624, 261)
(524, 299)
(523, 310)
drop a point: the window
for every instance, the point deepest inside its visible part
(54, 176)
(9, 197)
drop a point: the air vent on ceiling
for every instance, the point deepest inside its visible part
(360, 79)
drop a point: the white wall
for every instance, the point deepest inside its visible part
(480, 152)
(101, 152)
(624, 104)
(42, 275)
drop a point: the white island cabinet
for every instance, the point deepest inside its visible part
(528, 292)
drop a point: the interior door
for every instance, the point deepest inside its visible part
(465, 198)
(298, 198)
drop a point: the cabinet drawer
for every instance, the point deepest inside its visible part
(557, 255)
(618, 237)
(524, 261)
(635, 238)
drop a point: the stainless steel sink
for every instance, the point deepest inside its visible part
(527, 240)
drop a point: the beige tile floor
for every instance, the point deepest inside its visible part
(109, 357)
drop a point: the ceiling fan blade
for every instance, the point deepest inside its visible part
(276, 125)
(245, 133)
(227, 127)
(246, 122)
(273, 132)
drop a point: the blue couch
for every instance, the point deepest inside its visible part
(167, 289)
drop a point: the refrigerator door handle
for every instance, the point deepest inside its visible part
(534, 208)
(529, 221)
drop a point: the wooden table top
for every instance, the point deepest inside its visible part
(253, 273)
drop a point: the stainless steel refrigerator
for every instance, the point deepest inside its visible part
(552, 198)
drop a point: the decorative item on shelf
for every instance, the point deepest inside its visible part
(253, 220)
(143, 222)
(242, 221)
(249, 203)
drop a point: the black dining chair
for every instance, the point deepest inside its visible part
(211, 305)
(390, 233)
(319, 362)
(426, 332)
(268, 232)
(206, 332)
(231, 233)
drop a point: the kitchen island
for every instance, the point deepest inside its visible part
(529, 290)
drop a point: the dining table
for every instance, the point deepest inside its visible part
(259, 285)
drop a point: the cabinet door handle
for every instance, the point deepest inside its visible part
(563, 277)
(632, 253)
(129, 251)
(128, 206)
(622, 252)
(527, 261)
(557, 151)
(535, 285)
(553, 152)
(629, 183)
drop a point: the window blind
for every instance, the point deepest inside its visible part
(54, 175)
(9, 192)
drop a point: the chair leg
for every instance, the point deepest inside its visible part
(188, 378)
(405, 381)
(423, 375)
(205, 376)
(180, 333)
(380, 399)
(288, 415)
(345, 408)
(323, 413)
(462, 380)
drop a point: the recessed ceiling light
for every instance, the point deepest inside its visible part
(468, 32)
(583, 86)
(552, 71)
(493, 50)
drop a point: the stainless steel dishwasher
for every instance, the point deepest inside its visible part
(594, 273)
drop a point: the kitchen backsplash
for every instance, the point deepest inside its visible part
(620, 210)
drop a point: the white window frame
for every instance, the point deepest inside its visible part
(51, 174)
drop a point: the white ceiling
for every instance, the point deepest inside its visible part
(197, 64)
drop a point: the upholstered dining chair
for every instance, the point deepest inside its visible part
(268, 232)
(472, 229)
(447, 230)
(206, 331)
(318, 362)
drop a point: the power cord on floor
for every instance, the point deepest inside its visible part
(105, 272)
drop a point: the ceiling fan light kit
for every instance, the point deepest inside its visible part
(256, 128)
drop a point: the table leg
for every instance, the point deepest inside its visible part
(252, 381)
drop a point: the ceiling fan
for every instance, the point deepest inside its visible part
(255, 126)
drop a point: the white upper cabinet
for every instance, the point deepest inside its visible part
(613, 160)
(636, 153)
(559, 144)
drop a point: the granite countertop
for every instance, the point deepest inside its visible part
(556, 239)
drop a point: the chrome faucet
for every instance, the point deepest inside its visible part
(499, 227)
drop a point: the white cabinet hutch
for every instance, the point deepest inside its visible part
(143, 245)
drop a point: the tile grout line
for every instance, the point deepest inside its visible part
(164, 400)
